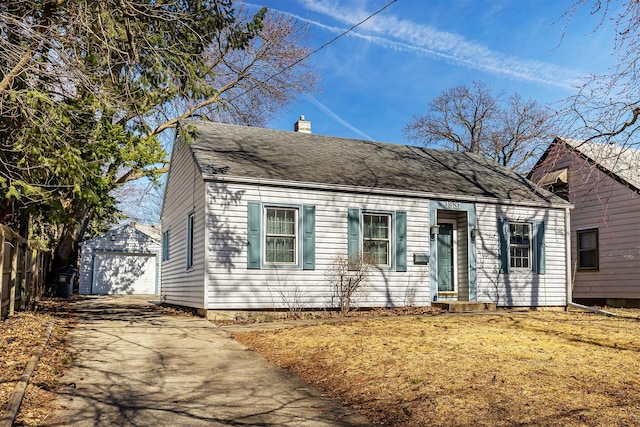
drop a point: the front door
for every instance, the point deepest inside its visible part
(446, 261)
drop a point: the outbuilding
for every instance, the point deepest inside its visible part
(125, 260)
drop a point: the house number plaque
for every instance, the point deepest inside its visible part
(451, 204)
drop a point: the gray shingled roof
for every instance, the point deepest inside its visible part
(258, 153)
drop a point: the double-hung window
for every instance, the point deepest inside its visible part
(281, 236)
(588, 249)
(521, 246)
(379, 237)
(376, 238)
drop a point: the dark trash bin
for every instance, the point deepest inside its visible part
(63, 281)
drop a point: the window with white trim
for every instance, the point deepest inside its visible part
(588, 249)
(376, 238)
(281, 235)
(380, 237)
(520, 245)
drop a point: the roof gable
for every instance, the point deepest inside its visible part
(222, 150)
(124, 232)
(622, 162)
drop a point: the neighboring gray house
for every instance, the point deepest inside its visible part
(253, 218)
(122, 261)
(602, 181)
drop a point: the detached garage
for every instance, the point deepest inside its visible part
(122, 261)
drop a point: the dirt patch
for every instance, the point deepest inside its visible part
(533, 368)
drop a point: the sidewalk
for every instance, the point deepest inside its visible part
(136, 365)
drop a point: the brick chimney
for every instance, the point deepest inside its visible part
(302, 125)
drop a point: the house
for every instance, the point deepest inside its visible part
(253, 219)
(602, 181)
(125, 260)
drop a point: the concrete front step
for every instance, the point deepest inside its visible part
(464, 306)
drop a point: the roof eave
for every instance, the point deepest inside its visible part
(384, 191)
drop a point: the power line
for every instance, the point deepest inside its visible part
(344, 33)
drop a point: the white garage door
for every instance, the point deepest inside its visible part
(120, 273)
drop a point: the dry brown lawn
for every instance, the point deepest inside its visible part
(503, 369)
(20, 337)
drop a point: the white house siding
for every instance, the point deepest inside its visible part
(127, 241)
(230, 285)
(184, 194)
(520, 287)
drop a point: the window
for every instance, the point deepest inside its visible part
(520, 245)
(190, 224)
(281, 235)
(379, 236)
(588, 249)
(376, 238)
(165, 246)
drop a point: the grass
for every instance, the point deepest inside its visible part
(534, 368)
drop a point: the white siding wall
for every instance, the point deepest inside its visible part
(126, 240)
(184, 194)
(521, 287)
(232, 286)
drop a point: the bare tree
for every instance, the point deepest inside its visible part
(607, 107)
(512, 132)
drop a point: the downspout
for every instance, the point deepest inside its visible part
(567, 248)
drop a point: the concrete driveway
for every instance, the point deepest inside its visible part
(135, 365)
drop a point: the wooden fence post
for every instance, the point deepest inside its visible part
(1, 272)
(13, 278)
(35, 274)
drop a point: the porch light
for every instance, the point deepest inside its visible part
(435, 229)
(474, 232)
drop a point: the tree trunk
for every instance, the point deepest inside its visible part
(66, 251)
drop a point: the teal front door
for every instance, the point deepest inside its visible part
(446, 278)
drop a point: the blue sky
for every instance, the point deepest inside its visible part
(378, 76)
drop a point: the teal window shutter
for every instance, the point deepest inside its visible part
(353, 246)
(503, 247)
(540, 262)
(309, 238)
(401, 241)
(254, 212)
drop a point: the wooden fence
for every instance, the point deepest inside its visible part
(24, 268)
